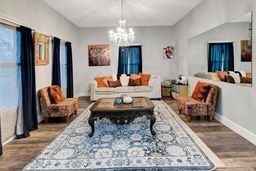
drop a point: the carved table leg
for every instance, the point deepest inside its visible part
(91, 123)
(152, 122)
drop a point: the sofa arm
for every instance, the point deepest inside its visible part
(93, 86)
(155, 82)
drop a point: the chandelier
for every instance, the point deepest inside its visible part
(122, 36)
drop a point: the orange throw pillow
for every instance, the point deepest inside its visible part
(101, 81)
(144, 78)
(55, 95)
(221, 75)
(201, 91)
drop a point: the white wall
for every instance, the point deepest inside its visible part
(198, 45)
(152, 39)
(39, 16)
(236, 106)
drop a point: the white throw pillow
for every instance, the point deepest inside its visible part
(236, 76)
(124, 80)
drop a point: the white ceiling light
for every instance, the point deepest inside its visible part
(122, 36)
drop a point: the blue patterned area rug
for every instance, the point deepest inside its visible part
(125, 147)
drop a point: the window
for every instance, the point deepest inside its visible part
(130, 60)
(221, 57)
(63, 67)
(10, 70)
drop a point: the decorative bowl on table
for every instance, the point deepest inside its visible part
(127, 99)
(118, 100)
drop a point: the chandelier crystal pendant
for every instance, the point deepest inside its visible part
(122, 36)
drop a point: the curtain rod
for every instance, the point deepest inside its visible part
(221, 41)
(11, 22)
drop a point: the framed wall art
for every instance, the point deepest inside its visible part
(168, 52)
(41, 43)
(246, 50)
(99, 55)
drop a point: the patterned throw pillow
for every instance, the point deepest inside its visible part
(114, 83)
(134, 82)
(55, 95)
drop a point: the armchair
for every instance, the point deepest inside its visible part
(64, 108)
(201, 103)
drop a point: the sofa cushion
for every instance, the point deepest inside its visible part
(116, 83)
(144, 78)
(55, 94)
(105, 90)
(126, 89)
(143, 89)
(134, 82)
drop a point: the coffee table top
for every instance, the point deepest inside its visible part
(108, 105)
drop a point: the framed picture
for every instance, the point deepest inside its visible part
(168, 52)
(41, 43)
(99, 55)
(246, 50)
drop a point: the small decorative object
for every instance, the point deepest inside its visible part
(182, 80)
(127, 99)
(99, 55)
(169, 52)
(246, 50)
(118, 100)
(41, 43)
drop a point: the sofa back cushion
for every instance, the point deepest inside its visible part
(144, 78)
(201, 91)
(116, 83)
(55, 94)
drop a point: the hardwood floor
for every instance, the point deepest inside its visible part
(235, 152)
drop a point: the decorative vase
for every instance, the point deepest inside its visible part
(127, 99)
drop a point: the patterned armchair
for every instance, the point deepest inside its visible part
(201, 103)
(63, 108)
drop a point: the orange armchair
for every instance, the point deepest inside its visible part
(201, 103)
(59, 107)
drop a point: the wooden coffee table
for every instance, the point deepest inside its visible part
(122, 113)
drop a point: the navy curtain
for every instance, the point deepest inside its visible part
(70, 90)
(129, 60)
(1, 146)
(29, 113)
(221, 57)
(56, 62)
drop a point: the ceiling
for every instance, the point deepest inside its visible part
(105, 13)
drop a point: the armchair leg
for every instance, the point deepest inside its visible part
(210, 117)
(188, 118)
(46, 120)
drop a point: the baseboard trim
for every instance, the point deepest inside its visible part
(236, 128)
(9, 140)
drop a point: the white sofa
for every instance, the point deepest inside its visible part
(153, 90)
